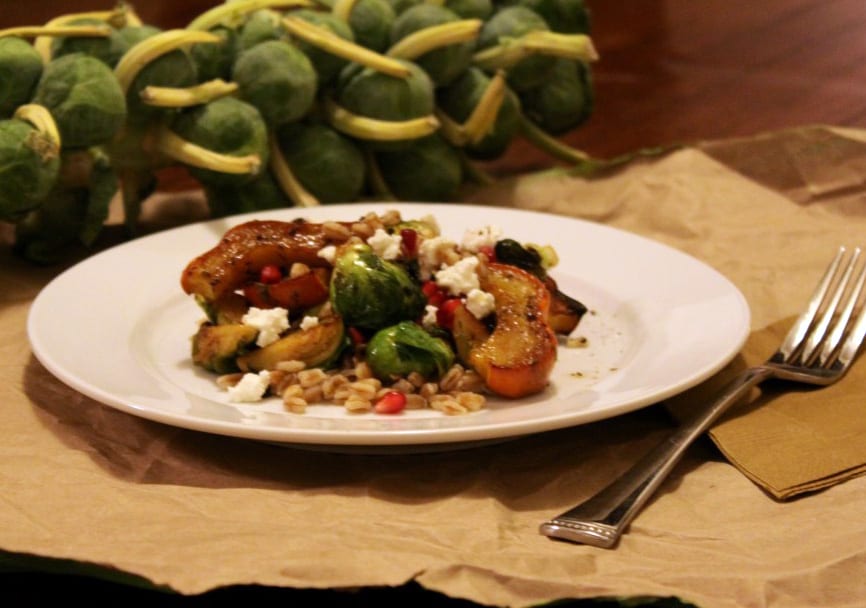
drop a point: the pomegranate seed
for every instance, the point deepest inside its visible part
(391, 402)
(357, 337)
(489, 252)
(435, 295)
(270, 274)
(409, 240)
(445, 314)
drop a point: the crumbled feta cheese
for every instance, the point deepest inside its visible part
(270, 322)
(475, 239)
(308, 322)
(430, 253)
(328, 253)
(459, 278)
(480, 303)
(386, 246)
(429, 319)
(251, 387)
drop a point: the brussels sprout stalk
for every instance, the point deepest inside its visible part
(287, 180)
(379, 130)
(482, 118)
(327, 41)
(232, 14)
(425, 40)
(148, 50)
(43, 122)
(510, 51)
(172, 97)
(175, 147)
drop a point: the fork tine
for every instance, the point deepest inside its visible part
(817, 335)
(855, 338)
(801, 326)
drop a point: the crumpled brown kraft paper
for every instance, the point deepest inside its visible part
(193, 511)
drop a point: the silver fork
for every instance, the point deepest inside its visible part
(819, 349)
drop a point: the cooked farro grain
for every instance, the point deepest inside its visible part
(336, 231)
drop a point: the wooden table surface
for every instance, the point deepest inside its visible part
(670, 71)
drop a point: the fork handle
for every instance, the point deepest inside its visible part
(601, 520)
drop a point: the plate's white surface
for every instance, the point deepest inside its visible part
(116, 327)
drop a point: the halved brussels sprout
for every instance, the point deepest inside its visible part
(370, 293)
(406, 347)
(85, 99)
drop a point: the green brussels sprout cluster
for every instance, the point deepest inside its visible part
(271, 103)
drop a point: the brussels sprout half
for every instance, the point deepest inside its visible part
(406, 347)
(371, 293)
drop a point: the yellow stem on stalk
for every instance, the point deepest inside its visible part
(117, 17)
(42, 121)
(379, 130)
(429, 38)
(287, 180)
(544, 141)
(483, 116)
(149, 49)
(232, 14)
(35, 31)
(451, 130)
(175, 147)
(172, 97)
(343, 9)
(512, 50)
(334, 44)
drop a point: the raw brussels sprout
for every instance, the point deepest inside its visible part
(459, 100)
(369, 292)
(405, 348)
(564, 16)
(173, 69)
(226, 125)
(215, 60)
(429, 170)
(260, 26)
(513, 22)
(329, 165)
(108, 49)
(20, 69)
(371, 22)
(471, 9)
(278, 79)
(262, 192)
(442, 64)
(376, 95)
(326, 64)
(565, 102)
(29, 164)
(84, 98)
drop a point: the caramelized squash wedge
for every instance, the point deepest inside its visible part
(516, 358)
(216, 347)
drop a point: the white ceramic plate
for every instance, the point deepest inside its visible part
(116, 327)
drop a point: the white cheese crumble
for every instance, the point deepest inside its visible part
(328, 253)
(429, 254)
(475, 239)
(430, 319)
(309, 322)
(270, 322)
(386, 246)
(459, 278)
(251, 387)
(480, 303)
